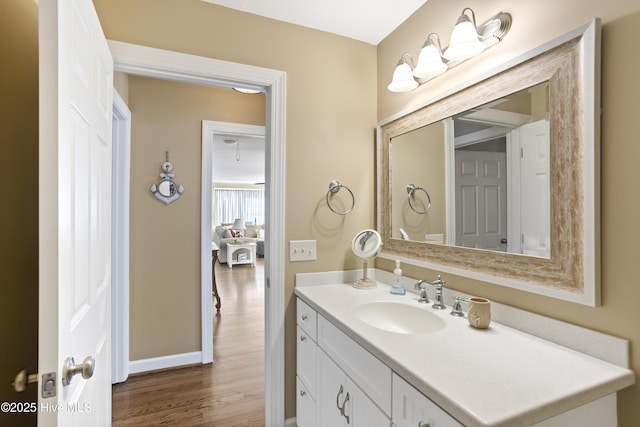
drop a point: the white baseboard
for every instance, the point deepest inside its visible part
(290, 422)
(164, 362)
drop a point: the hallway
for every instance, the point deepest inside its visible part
(227, 393)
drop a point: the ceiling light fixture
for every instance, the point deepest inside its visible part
(247, 91)
(236, 141)
(467, 41)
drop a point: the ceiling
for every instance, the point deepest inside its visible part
(369, 21)
(249, 169)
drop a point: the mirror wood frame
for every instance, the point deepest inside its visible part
(571, 64)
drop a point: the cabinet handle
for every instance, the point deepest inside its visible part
(304, 393)
(304, 317)
(341, 409)
(344, 408)
(303, 338)
(423, 424)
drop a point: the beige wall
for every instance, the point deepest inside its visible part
(165, 239)
(418, 158)
(534, 22)
(331, 116)
(19, 206)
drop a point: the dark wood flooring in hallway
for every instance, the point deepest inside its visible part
(226, 393)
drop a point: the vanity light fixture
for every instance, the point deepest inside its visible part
(430, 63)
(467, 41)
(403, 80)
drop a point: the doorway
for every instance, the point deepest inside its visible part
(149, 62)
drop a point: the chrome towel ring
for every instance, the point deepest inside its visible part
(334, 187)
(411, 189)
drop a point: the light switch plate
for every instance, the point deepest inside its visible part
(302, 250)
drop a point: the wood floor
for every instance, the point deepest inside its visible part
(227, 393)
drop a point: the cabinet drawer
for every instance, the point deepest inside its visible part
(410, 407)
(306, 318)
(305, 406)
(371, 375)
(306, 361)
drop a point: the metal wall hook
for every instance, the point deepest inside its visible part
(411, 189)
(334, 187)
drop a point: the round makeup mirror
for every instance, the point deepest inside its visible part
(366, 245)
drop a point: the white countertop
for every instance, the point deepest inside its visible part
(494, 377)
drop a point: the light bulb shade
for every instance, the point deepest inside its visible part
(238, 224)
(403, 80)
(430, 63)
(465, 42)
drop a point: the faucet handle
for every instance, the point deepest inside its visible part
(456, 309)
(439, 282)
(421, 285)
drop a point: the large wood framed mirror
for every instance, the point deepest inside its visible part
(499, 181)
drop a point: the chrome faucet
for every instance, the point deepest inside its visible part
(421, 285)
(438, 284)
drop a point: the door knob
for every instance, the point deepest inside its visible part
(69, 369)
(23, 379)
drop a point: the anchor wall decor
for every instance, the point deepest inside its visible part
(167, 190)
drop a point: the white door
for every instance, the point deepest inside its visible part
(76, 79)
(481, 196)
(534, 182)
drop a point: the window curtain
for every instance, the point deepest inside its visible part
(232, 203)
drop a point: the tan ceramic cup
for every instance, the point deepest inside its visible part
(479, 312)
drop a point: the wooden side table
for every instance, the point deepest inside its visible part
(214, 287)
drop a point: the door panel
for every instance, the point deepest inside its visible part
(76, 76)
(481, 194)
(534, 181)
(362, 411)
(331, 392)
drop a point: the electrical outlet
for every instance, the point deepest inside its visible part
(302, 250)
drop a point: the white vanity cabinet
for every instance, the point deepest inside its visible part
(341, 403)
(394, 379)
(411, 408)
(306, 366)
(338, 382)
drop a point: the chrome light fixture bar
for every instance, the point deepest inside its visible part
(467, 41)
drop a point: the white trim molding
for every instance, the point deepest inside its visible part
(120, 240)
(158, 63)
(209, 129)
(164, 362)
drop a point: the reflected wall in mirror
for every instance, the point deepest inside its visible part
(485, 174)
(552, 209)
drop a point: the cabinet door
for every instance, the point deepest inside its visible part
(306, 361)
(331, 393)
(410, 408)
(305, 406)
(362, 411)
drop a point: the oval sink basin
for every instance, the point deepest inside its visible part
(399, 318)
